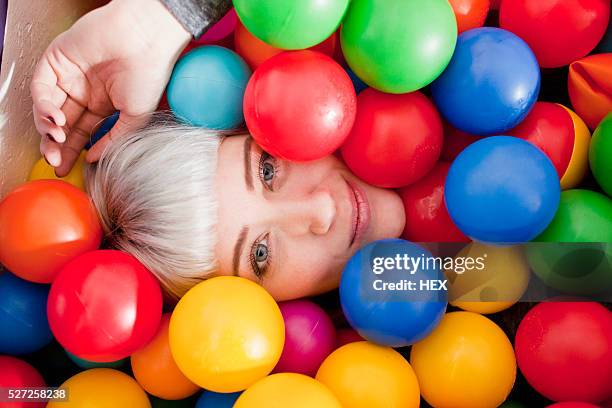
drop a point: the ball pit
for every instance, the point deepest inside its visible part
(484, 367)
(155, 370)
(201, 75)
(490, 84)
(396, 139)
(291, 25)
(17, 374)
(402, 50)
(554, 357)
(310, 336)
(364, 375)
(228, 364)
(314, 119)
(600, 154)
(287, 390)
(495, 209)
(577, 24)
(43, 171)
(562, 135)
(91, 388)
(35, 246)
(104, 305)
(23, 320)
(590, 87)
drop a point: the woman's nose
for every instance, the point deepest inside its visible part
(313, 213)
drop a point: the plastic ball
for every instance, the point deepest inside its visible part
(300, 105)
(291, 25)
(365, 375)
(43, 171)
(426, 210)
(23, 320)
(390, 317)
(17, 374)
(600, 154)
(105, 126)
(155, 370)
(574, 253)
(555, 358)
(310, 336)
(102, 388)
(222, 28)
(572, 404)
(455, 141)
(229, 351)
(207, 87)
(398, 46)
(86, 364)
(34, 245)
(577, 24)
(255, 52)
(346, 336)
(491, 83)
(562, 135)
(470, 13)
(210, 399)
(466, 362)
(104, 305)
(496, 284)
(396, 139)
(502, 189)
(590, 87)
(287, 390)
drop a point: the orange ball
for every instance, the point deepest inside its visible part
(470, 13)
(44, 225)
(255, 51)
(155, 368)
(590, 87)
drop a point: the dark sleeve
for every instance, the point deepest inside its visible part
(197, 16)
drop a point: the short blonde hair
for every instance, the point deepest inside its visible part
(154, 191)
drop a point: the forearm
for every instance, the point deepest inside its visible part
(197, 16)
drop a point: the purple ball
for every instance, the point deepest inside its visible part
(310, 337)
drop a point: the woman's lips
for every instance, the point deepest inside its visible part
(360, 216)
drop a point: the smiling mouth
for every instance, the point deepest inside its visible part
(360, 214)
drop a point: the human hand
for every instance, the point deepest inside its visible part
(117, 57)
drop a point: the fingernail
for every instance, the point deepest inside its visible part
(51, 119)
(51, 137)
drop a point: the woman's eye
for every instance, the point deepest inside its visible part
(267, 169)
(260, 257)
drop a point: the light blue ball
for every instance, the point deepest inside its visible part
(502, 189)
(394, 318)
(207, 87)
(210, 399)
(491, 83)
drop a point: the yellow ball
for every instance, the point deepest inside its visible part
(467, 361)
(102, 388)
(579, 161)
(287, 390)
(499, 285)
(365, 375)
(226, 333)
(76, 177)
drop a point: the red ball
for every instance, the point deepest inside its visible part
(104, 305)
(455, 141)
(300, 105)
(427, 219)
(558, 31)
(470, 13)
(396, 139)
(45, 224)
(572, 404)
(346, 336)
(590, 87)
(564, 350)
(17, 374)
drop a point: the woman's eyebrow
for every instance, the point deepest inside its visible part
(248, 174)
(238, 249)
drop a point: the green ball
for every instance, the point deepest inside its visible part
(399, 46)
(600, 154)
(574, 254)
(291, 24)
(86, 364)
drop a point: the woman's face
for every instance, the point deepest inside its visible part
(292, 226)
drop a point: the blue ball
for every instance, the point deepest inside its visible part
(491, 83)
(207, 87)
(210, 399)
(23, 315)
(106, 125)
(502, 189)
(392, 317)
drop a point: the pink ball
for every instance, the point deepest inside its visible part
(220, 30)
(309, 337)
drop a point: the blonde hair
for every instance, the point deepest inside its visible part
(154, 191)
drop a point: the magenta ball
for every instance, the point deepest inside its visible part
(220, 30)
(309, 337)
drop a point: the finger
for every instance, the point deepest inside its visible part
(46, 127)
(73, 111)
(125, 124)
(77, 139)
(51, 151)
(46, 94)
